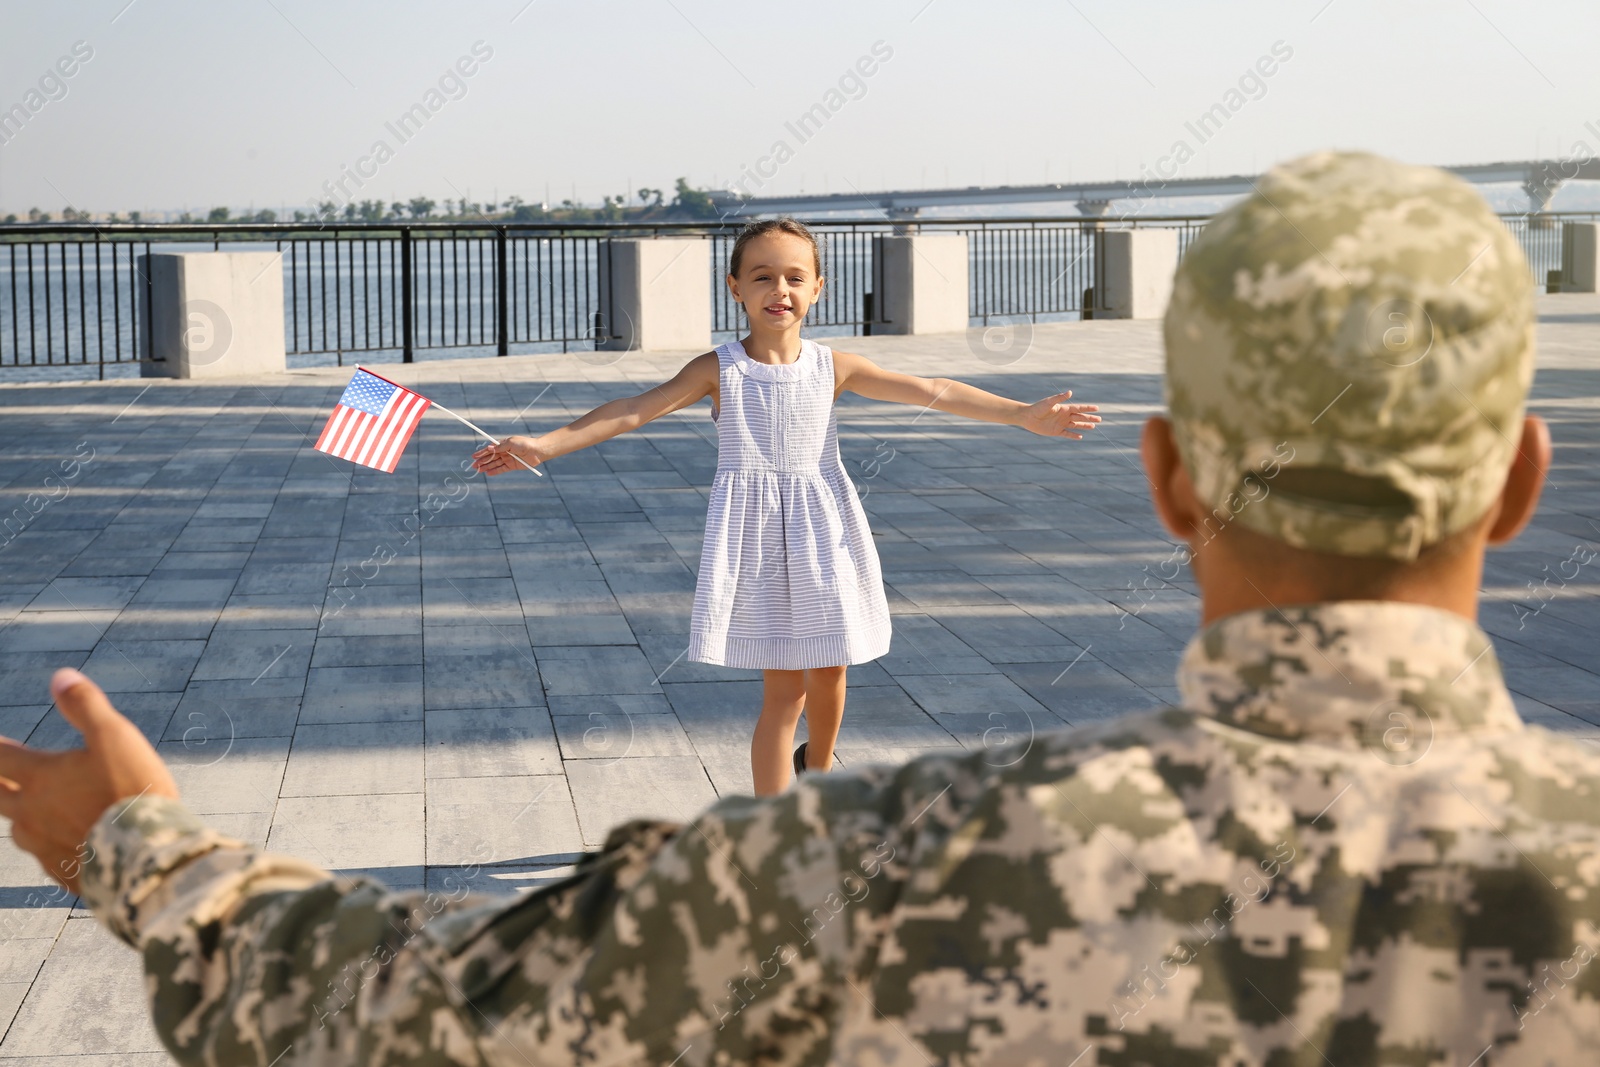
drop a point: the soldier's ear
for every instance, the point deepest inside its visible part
(1524, 482)
(1170, 489)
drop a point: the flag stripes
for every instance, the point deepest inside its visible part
(372, 422)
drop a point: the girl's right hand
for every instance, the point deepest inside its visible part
(502, 455)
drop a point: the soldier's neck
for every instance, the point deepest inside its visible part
(1240, 574)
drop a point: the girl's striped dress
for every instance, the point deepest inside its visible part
(789, 577)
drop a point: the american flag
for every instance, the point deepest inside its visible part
(372, 422)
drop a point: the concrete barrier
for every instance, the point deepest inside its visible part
(1580, 257)
(1135, 272)
(213, 315)
(924, 283)
(656, 294)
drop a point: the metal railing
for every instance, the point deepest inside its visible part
(1033, 267)
(65, 302)
(1541, 237)
(75, 294)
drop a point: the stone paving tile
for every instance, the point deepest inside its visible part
(219, 775)
(608, 792)
(446, 640)
(31, 905)
(293, 550)
(1149, 669)
(203, 536)
(618, 705)
(962, 692)
(55, 631)
(471, 601)
(18, 722)
(537, 531)
(354, 759)
(993, 730)
(150, 712)
(595, 669)
(143, 666)
(255, 654)
(880, 705)
(362, 694)
(251, 827)
(271, 611)
(511, 820)
(163, 622)
(378, 834)
(728, 766)
(544, 598)
(282, 578)
(668, 654)
(495, 742)
(714, 701)
(225, 563)
(14, 598)
(88, 997)
(372, 610)
(610, 629)
(21, 960)
(921, 644)
(504, 677)
(867, 736)
(87, 594)
(265, 707)
(934, 589)
(534, 563)
(993, 631)
(1079, 690)
(613, 733)
(375, 650)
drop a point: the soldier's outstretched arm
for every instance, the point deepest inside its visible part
(736, 932)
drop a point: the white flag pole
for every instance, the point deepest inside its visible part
(482, 432)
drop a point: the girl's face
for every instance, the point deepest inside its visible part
(777, 280)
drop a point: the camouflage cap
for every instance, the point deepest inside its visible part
(1349, 350)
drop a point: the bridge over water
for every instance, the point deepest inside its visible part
(1538, 178)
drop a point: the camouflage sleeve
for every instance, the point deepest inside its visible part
(727, 940)
(249, 954)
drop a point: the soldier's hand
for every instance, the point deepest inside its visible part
(54, 798)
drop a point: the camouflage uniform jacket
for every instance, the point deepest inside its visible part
(1348, 851)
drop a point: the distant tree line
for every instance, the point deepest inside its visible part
(687, 202)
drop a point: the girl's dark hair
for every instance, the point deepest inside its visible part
(761, 227)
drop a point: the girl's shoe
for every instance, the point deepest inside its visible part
(800, 759)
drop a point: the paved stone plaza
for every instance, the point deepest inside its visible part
(498, 681)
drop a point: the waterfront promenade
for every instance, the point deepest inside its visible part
(493, 683)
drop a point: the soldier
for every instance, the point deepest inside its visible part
(1345, 848)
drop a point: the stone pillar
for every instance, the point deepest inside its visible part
(656, 294)
(924, 283)
(212, 315)
(1580, 257)
(1135, 272)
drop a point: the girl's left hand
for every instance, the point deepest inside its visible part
(1053, 417)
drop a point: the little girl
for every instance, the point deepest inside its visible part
(789, 579)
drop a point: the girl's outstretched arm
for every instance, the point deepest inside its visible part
(696, 381)
(1051, 417)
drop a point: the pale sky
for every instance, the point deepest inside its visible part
(259, 102)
